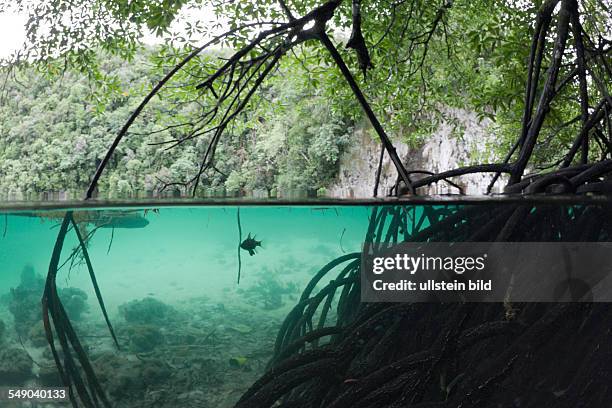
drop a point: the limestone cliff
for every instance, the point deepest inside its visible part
(444, 150)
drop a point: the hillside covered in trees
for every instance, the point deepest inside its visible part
(56, 129)
(67, 94)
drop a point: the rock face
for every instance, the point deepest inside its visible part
(442, 151)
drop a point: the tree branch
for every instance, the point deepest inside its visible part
(368, 111)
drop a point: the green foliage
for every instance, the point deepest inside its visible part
(427, 56)
(296, 142)
(53, 136)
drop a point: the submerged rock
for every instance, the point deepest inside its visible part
(146, 311)
(15, 366)
(144, 338)
(24, 301)
(2, 330)
(123, 378)
(49, 376)
(74, 301)
(30, 280)
(25, 307)
(37, 335)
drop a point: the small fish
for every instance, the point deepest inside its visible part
(250, 244)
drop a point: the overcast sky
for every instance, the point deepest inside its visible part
(12, 33)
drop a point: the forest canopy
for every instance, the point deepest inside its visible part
(411, 59)
(52, 137)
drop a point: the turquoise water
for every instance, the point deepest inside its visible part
(184, 259)
(189, 334)
(185, 252)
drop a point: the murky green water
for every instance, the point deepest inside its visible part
(190, 335)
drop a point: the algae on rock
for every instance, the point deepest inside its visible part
(146, 311)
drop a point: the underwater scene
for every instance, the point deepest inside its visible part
(169, 281)
(214, 306)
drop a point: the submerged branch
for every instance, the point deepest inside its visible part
(90, 393)
(94, 281)
(239, 243)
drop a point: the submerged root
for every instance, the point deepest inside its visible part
(72, 359)
(443, 355)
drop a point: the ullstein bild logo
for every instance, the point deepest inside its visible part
(487, 272)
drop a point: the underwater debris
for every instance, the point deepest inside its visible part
(250, 244)
(241, 328)
(146, 311)
(2, 330)
(144, 338)
(15, 366)
(121, 219)
(153, 210)
(196, 398)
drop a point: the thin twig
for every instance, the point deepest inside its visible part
(239, 242)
